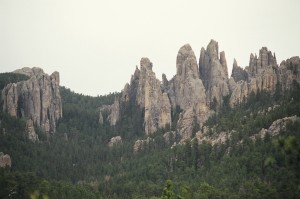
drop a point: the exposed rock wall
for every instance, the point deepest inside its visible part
(214, 74)
(37, 98)
(32, 136)
(199, 90)
(146, 92)
(114, 141)
(5, 160)
(263, 74)
(189, 92)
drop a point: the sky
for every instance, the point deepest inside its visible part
(95, 45)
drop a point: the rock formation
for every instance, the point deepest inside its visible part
(114, 141)
(144, 91)
(263, 74)
(5, 160)
(196, 91)
(276, 127)
(189, 92)
(32, 136)
(37, 98)
(141, 144)
(214, 74)
(238, 73)
(289, 71)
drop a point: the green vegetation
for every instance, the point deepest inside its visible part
(76, 161)
(6, 78)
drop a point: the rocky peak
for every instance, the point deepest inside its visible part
(262, 74)
(37, 98)
(214, 74)
(238, 73)
(146, 91)
(224, 63)
(265, 59)
(213, 49)
(30, 72)
(189, 92)
(186, 63)
(145, 63)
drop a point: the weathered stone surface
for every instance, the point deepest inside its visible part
(169, 136)
(32, 136)
(114, 141)
(216, 138)
(189, 92)
(5, 160)
(289, 70)
(224, 63)
(115, 112)
(37, 98)
(238, 73)
(110, 113)
(101, 120)
(214, 74)
(145, 91)
(276, 127)
(262, 74)
(141, 144)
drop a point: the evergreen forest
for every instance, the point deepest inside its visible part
(76, 161)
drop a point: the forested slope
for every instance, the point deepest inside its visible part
(76, 161)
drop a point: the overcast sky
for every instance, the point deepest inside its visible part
(96, 44)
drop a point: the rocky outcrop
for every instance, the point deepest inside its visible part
(110, 113)
(214, 74)
(276, 127)
(141, 144)
(5, 160)
(37, 98)
(262, 75)
(169, 137)
(196, 91)
(189, 92)
(238, 74)
(289, 71)
(146, 92)
(32, 136)
(114, 141)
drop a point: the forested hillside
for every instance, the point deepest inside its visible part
(76, 161)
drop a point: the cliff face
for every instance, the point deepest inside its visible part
(199, 90)
(262, 74)
(189, 92)
(214, 73)
(145, 91)
(37, 99)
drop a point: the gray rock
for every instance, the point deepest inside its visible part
(5, 160)
(238, 73)
(214, 74)
(32, 136)
(115, 141)
(37, 98)
(189, 92)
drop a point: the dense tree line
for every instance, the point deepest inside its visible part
(76, 161)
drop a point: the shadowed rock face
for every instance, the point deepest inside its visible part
(37, 98)
(263, 74)
(189, 92)
(199, 90)
(238, 73)
(214, 74)
(145, 90)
